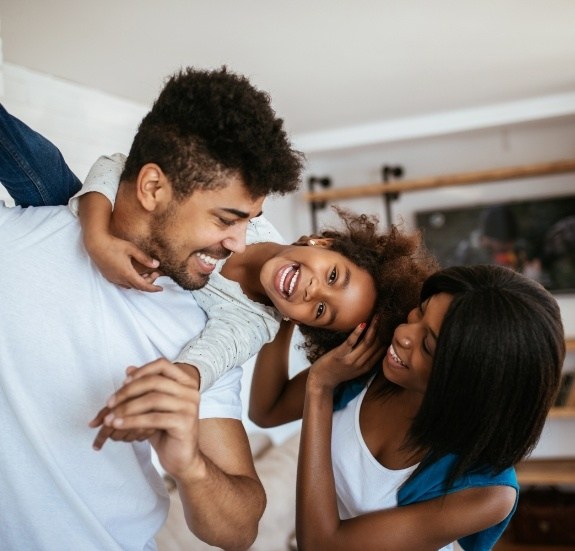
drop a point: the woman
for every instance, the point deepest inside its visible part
(424, 454)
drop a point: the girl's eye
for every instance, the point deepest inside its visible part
(320, 310)
(332, 276)
(227, 222)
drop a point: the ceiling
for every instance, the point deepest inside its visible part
(328, 64)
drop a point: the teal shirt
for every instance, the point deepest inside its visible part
(429, 484)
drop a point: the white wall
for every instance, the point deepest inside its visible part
(85, 123)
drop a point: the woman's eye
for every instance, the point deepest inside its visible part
(426, 348)
(320, 310)
(332, 277)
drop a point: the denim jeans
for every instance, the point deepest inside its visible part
(32, 168)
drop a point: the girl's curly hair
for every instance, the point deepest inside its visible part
(398, 264)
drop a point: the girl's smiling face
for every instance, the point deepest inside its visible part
(319, 287)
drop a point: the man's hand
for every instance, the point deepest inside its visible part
(159, 401)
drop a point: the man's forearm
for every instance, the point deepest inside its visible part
(222, 509)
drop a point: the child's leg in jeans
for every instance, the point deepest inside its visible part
(32, 168)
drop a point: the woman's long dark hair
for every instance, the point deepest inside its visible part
(496, 370)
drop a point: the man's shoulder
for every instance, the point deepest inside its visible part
(39, 220)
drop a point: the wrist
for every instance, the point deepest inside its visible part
(192, 371)
(318, 385)
(196, 472)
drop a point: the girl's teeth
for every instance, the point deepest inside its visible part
(292, 283)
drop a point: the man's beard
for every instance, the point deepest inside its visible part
(158, 246)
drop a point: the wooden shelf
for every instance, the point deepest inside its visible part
(563, 412)
(448, 180)
(545, 472)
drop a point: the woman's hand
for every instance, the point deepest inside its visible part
(354, 357)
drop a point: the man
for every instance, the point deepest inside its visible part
(200, 166)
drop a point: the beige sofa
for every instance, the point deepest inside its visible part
(276, 466)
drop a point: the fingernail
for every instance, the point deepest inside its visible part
(109, 418)
(155, 263)
(111, 401)
(118, 422)
(362, 325)
(127, 380)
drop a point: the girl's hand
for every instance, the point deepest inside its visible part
(114, 257)
(349, 360)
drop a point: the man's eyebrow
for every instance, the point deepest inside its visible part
(239, 213)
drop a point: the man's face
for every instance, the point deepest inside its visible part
(190, 236)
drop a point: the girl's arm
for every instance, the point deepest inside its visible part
(276, 399)
(428, 525)
(113, 256)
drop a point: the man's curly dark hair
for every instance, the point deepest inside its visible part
(398, 264)
(206, 126)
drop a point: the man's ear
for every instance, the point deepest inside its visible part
(152, 187)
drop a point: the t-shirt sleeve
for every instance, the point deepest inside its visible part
(104, 178)
(233, 334)
(223, 400)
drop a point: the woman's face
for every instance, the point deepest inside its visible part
(319, 287)
(410, 357)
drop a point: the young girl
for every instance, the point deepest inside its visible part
(423, 455)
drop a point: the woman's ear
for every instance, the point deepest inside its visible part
(153, 188)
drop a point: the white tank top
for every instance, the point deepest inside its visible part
(362, 483)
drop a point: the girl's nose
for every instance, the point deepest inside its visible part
(311, 289)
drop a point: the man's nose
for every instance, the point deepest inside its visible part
(235, 241)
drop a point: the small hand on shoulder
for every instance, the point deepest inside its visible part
(114, 258)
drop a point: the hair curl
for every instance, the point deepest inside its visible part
(206, 126)
(398, 264)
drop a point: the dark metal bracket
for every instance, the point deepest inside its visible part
(314, 206)
(388, 173)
